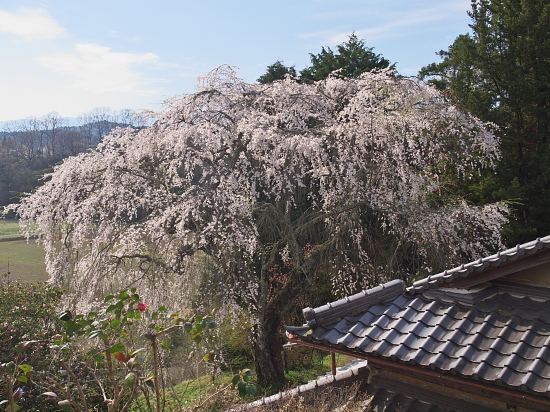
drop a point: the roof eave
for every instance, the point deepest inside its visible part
(438, 377)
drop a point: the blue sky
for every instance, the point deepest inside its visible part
(70, 56)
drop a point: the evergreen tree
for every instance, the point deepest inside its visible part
(351, 59)
(276, 71)
(501, 73)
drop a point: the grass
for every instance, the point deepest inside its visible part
(23, 260)
(183, 396)
(299, 376)
(9, 227)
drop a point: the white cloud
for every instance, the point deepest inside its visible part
(30, 24)
(97, 69)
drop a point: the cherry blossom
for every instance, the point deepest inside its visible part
(244, 176)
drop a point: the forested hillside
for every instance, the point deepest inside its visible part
(30, 148)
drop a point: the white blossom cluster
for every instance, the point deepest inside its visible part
(239, 168)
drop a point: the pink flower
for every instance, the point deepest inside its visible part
(142, 306)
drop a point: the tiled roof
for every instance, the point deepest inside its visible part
(489, 333)
(479, 265)
(504, 340)
(354, 304)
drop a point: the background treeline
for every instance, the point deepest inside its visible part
(30, 148)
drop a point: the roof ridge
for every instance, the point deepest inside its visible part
(478, 265)
(350, 305)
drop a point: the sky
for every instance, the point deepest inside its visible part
(71, 56)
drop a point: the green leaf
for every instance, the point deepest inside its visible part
(236, 379)
(123, 295)
(206, 357)
(65, 315)
(25, 368)
(119, 347)
(23, 379)
(241, 386)
(111, 308)
(114, 323)
(251, 389)
(15, 408)
(98, 333)
(98, 357)
(64, 405)
(10, 367)
(162, 309)
(129, 380)
(108, 298)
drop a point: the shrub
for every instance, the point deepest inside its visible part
(27, 313)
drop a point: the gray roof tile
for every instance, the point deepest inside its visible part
(493, 345)
(354, 304)
(466, 269)
(492, 334)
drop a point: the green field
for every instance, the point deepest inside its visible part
(8, 227)
(25, 260)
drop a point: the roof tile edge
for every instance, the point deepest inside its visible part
(334, 311)
(479, 264)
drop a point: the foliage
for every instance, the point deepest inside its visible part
(276, 71)
(250, 175)
(352, 59)
(112, 371)
(501, 74)
(31, 147)
(26, 313)
(244, 383)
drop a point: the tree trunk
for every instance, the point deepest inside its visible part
(268, 353)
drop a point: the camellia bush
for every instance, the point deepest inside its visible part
(27, 312)
(360, 173)
(102, 360)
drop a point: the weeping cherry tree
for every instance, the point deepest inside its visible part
(350, 177)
